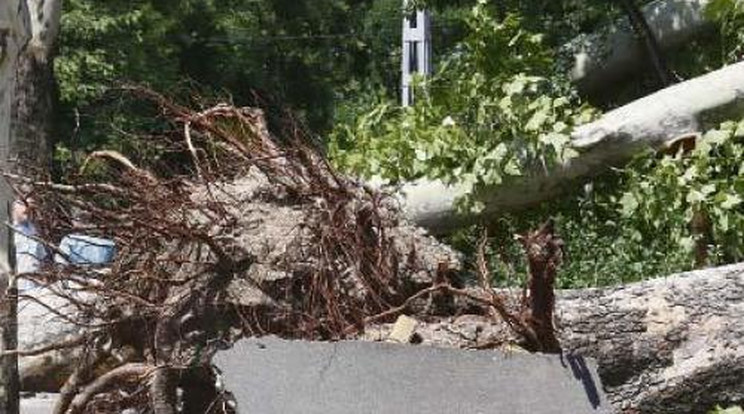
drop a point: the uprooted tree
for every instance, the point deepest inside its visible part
(230, 231)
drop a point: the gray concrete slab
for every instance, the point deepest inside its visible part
(270, 376)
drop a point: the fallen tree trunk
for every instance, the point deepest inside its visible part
(650, 122)
(609, 56)
(671, 345)
(286, 246)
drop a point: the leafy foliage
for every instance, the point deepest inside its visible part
(602, 247)
(730, 15)
(251, 52)
(664, 196)
(496, 110)
(493, 111)
(642, 221)
(729, 410)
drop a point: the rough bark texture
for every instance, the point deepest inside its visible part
(650, 122)
(9, 381)
(14, 34)
(27, 32)
(267, 229)
(672, 345)
(33, 113)
(544, 250)
(163, 392)
(605, 58)
(32, 116)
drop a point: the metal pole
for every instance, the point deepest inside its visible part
(417, 51)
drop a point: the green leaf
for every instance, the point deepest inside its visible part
(687, 243)
(629, 204)
(730, 410)
(739, 132)
(516, 86)
(568, 153)
(730, 201)
(695, 197)
(560, 126)
(716, 136)
(560, 102)
(512, 168)
(537, 121)
(556, 140)
(708, 189)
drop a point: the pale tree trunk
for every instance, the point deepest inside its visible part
(28, 29)
(603, 59)
(664, 346)
(33, 110)
(654, 121)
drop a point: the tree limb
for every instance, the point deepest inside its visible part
(108, 380)
(612, 140)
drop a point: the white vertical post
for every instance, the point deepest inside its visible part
(417, 51)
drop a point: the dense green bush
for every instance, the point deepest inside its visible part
(730, 15)
(665, 195)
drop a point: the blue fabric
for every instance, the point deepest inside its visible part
(86, 250)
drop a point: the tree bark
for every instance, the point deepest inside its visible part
(645, 35)
(33, 104)
(32, 121)
(651, 122)
(607, 57)
(27, 32)
(671, 345)
(665, 346)
(14, 35)
(163, 391)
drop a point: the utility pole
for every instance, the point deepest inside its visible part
(417, 51)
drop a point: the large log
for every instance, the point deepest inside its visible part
(652, 121)
(670, 345)
(611, 55)
(651, 339)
